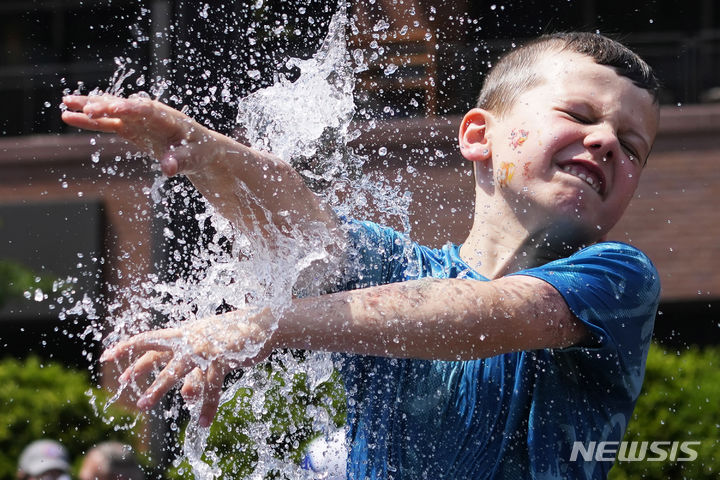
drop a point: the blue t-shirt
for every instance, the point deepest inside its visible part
(515, 415)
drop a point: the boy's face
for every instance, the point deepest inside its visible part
(570, 151)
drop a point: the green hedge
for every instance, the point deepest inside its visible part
(680, 402)
(284, 409)
(41, 399)
(16, 279)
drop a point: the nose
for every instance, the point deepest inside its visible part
(601, 140)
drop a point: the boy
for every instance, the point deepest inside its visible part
(486, 360)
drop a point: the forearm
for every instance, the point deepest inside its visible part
(250, 188)
(245, 184)
(434, 319)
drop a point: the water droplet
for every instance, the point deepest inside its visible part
(382, 151)
(39, 296)
(381, 25)
(204, 12)
(390, 69)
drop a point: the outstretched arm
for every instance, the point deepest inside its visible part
(446, 319)
(243, 184)
(441, 319)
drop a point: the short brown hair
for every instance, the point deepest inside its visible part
(516, 72)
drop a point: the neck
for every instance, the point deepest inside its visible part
(500, 243)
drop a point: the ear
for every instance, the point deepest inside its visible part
(474, 142)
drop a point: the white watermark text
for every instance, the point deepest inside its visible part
(645, 451)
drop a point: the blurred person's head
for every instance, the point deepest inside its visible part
(111, 461)
(44, 460)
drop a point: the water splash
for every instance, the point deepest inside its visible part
(290, 118)
(306, 122)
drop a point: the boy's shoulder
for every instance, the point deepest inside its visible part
(619, 268)
(605, 256)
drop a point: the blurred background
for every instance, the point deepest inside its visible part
(74, 206)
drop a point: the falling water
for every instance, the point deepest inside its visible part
(306, 122)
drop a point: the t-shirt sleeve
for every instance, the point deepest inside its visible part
(614, 289)
(376, 254)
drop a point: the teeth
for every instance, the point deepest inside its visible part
(589, 179)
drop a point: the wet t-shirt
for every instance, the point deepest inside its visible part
(515, 415)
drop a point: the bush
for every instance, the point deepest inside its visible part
(45, 400)
(288, 410)
(15, 280)
(679, 403)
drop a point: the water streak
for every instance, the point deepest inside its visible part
(306, 122)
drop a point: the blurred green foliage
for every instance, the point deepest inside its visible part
(288, 410)
(16, 279)
(40, 399)
(680, 402)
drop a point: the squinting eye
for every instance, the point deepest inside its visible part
(578, 117)
(631, 153)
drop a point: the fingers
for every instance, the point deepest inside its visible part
(206, 387)
(138, 345)
(152, 348)
(97, 113)
(211, 399)
(175, 370)
(144, 365)
(107, 105)
(75, 102)
(193, 386)
(105, 113)
(81, 120)
(137, 111)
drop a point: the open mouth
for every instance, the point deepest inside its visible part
(588, 173)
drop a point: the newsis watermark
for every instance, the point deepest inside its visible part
(635, 451)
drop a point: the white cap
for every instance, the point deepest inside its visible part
(42, 456)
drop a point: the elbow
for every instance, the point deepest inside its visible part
(556, 325)
(565, 330)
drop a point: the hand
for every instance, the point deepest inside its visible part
(177, 141)
(200, 353)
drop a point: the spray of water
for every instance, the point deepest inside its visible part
(306, 122)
